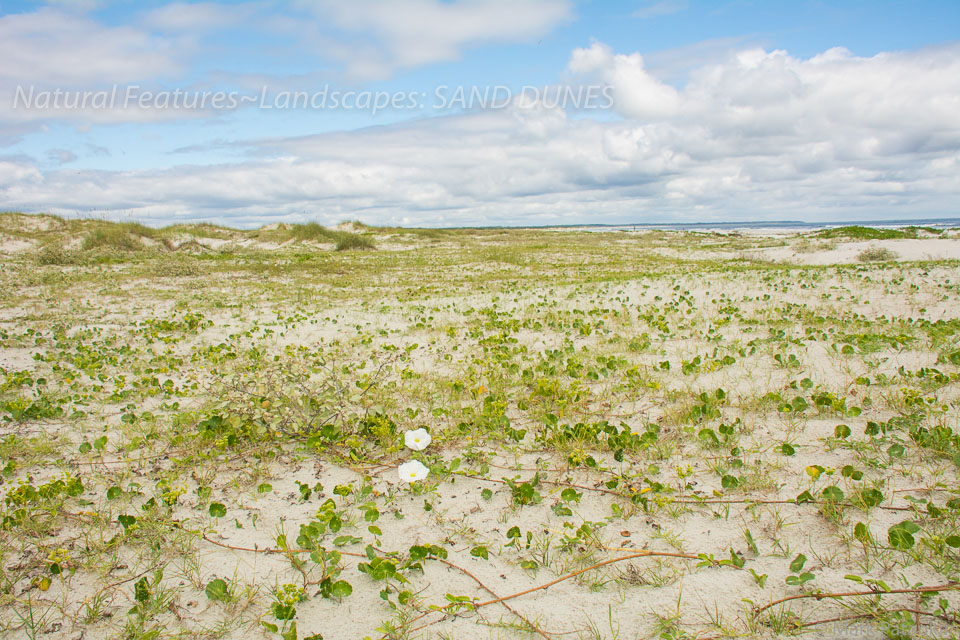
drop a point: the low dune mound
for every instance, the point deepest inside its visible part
(58, 241)
(826, 252)
(28, 223)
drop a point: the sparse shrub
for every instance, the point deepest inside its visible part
(806, 246)
(55, 254)
(176, 266)
(877, 254)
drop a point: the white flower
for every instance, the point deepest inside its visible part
(417, 439)
(413, 470)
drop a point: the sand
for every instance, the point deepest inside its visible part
(446, 331)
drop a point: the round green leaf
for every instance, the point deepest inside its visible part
(871, 497)
(480, 552)
(729, 482)
(341, 589)
(798, 563)
(900, 538)
(216, 589)
(833, 493)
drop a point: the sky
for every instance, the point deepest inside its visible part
(480, 112)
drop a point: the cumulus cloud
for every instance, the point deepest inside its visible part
(854, 108)
(637, 93)
(759, 134)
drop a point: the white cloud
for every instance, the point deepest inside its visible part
(863, 108)
(404, 35)
(759, 134)
(197, 16)
(54, 48)
(637, 93)
(676, 63)
(18, 175)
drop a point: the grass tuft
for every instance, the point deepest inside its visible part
(124, 236)
(347, 241)
(312, 231)
(877, 254)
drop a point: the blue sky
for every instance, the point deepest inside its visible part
(701, 111)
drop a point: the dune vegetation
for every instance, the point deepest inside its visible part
(363, 432)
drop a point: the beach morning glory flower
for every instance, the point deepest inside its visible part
(413, 471)
(417, 439)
